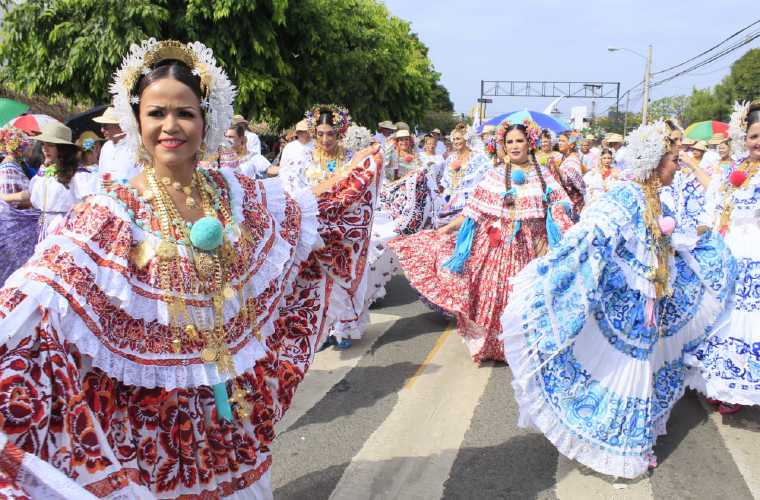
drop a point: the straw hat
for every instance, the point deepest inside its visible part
(108, 117)
(87, 138)
(402, 133)
(436, 131)
(302, 126)
(699, 146)
(488, 129)
(402, 126)
(590, 137)
(688, 142)
(55, 133)
(614, 139)
(387, 124)
(718, 138)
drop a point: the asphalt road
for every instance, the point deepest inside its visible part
(405, 414)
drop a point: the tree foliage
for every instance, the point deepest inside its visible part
(284, 56)
(742, 84)
(669, 107)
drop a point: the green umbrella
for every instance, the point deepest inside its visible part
(10, 109)
(703, 131)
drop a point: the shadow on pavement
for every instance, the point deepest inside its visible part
(362, 387)
(399, 294)
(514, 469)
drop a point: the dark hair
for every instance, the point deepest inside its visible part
(169, 68)
(509, 199)
(753, 115)
(67, 162)
(325, 117)
(606, 151)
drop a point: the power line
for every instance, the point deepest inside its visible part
(710, 59)
(708, 50)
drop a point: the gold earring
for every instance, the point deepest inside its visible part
(142, 155)
(201, 153)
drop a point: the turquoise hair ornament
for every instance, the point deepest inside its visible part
(518, 177)
(207, 234)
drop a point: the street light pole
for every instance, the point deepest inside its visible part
(625, 117)
(647, 76)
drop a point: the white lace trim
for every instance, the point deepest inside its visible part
(534, 410)
(280, 264)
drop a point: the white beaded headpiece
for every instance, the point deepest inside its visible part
(737, 129)
(644, 149)
(217, 91)
(356, 138)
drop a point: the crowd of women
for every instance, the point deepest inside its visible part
(164, 295)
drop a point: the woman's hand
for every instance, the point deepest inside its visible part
(20, 199)
(356, 161)
(452, 226)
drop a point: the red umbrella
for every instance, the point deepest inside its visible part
(31, 124)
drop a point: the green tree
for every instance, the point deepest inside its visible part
(705, 104)
(743, 84)
(669, 107)
(283, 56)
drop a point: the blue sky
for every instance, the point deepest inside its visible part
(470, 40)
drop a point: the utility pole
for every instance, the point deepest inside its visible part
(625, 116)
(647, 76)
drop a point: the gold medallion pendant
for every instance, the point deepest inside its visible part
(208, 355)
(142, 254)
(205, 265)
(166, 250)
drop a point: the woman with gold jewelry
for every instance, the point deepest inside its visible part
(597, 329)
(462, 171)
(602, 177)
(514, 214)
(727, 364)
(566, 168)
(328, 158)
(153, 341)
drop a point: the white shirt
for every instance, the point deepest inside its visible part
(620, 158)
(253, 143)
(54, 199)
(295, 159)
(255, 166)
(294, 150)
(118, 160)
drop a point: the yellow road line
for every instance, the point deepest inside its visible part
(429, 358)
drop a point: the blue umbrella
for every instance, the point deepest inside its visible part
(495, 121)
(541, 119)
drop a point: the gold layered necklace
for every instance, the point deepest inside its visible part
(212, 261)
(661, 249)
(456, 175)
(750, 168)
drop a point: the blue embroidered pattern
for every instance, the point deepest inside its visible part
(582, 280)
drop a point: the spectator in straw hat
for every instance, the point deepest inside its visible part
(60, 184)
(588, 158)
(615, 142)
(90, 145)
(384, 130)
(722, 144)
(116, 162)
(298, 149)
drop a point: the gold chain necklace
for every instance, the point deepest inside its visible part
(661, 249)
(750, 168)
(211, 269)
